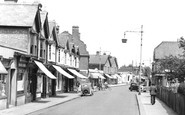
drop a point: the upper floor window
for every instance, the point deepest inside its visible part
(65, 58)
(49, 51)
(71, 60)
(42, 49)
(59, 55)
(33, 45)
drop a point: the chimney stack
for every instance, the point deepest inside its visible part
(57, 29)
(75, 32)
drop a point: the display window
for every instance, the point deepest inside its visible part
(20, 81)
(2, 85)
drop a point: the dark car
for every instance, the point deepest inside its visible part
(134, 86)
(86, 89)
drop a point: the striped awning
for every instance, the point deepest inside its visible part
(63, 72)
(44, 69)
(77, 73)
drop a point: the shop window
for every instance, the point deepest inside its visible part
(2, 85)
(20, 81)
(39, 83)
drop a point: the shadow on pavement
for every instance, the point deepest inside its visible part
(169, 110)
(41, 101)
(59, 96)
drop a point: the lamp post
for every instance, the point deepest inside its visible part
(141, 44)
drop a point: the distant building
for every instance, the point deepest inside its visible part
(107, 64)
(164, 49)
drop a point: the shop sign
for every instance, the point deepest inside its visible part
(22, 65)
(22, 62)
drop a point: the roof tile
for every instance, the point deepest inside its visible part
(17, 14)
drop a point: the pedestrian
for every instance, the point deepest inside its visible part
(153, 93)
(78, 86)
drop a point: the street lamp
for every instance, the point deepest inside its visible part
(125, 40)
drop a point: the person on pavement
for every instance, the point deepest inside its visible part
(153, 93)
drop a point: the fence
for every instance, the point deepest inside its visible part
(174, 100)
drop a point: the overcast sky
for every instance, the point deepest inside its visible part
(102, 24)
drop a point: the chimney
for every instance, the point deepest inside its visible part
(57, 29)
(75, 32)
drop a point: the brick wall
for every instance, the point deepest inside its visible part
(84, 63)
(16, 38)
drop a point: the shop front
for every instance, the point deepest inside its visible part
(79, 78)
(67, 81)
(40, 81)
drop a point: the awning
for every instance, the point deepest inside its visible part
(45, 70)
(108, 76)
(96, 75)
(2, 69)
(77, 73)
(59, 69)
(114, 76)
(102, 77)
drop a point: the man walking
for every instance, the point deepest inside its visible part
(153, 92)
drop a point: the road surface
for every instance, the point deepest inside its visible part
(117, 101)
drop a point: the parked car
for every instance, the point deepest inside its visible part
(134, 86)
(86, 89)
(143, 87)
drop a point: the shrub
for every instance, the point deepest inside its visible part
(181, 88)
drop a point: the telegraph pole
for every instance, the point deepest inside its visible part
(141, 44)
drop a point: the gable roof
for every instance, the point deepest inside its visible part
(43, 15)
(52, 30)
(63, 39)
(18, 14)
(167, 48)
(96, 59)
(113, 61)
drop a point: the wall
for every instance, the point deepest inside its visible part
(3, 104)
(84, 63)
(16, 38)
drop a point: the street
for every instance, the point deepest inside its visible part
(117, 101)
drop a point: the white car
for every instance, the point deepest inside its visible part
(143, 88)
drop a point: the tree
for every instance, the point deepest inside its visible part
(171, 66)
(147, 71)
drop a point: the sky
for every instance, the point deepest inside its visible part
(102, 24)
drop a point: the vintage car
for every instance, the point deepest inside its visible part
(134, 86)
(143, 87)
(86, 89)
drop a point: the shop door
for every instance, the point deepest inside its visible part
(44, 90)
(33, 86)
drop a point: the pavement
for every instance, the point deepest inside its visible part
(146, 108)
(43, 103)
(40, 104)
